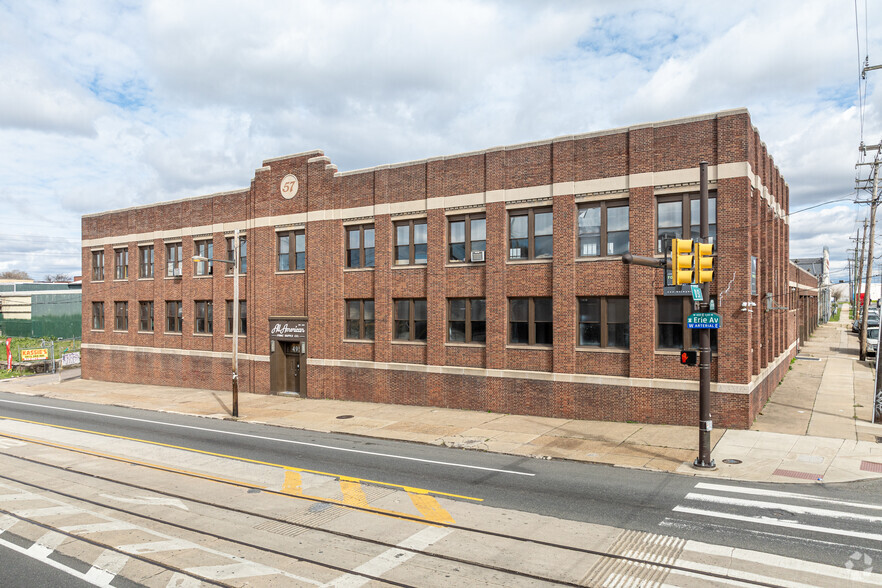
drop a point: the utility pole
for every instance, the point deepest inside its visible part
(860, 271)
(705, 424)
(873, 204)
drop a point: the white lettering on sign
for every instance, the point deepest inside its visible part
(283, 329)
(289, 186)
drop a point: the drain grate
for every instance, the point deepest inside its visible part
(346, 416)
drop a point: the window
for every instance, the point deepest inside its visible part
(243, 255)
(360, 319)
(680, 215)
(299, 238)
(204, 249)
(145, 316)
(530, 321)
(97, 266)
(98, 316)
(174, 316)
(530, 234)
(145, 263)
(121, 264)
(467, 235)
(466, 320)
(243, 318)
(603, 229)
(411, 319)
(173, 258)
(203, 317)
(603, 322)
(121, 316)
(672, 332)
(410, 242)
(360, 246)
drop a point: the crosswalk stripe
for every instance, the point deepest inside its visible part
(46, 544)
(778, 523)
(106, 566)
(88, 528)
(50, 511)
(781, 494)
(158, 546)
(836, 514)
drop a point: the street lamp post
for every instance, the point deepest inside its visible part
(235, 262)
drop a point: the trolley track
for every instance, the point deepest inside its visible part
(709, 575)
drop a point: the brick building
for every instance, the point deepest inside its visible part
(489, 280)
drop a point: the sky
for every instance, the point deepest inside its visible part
(105, 105)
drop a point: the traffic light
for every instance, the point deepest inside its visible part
(688, 357)
(704, 262)
(681, 261)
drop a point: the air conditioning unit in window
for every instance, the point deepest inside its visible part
(477, 256)
(176, 272)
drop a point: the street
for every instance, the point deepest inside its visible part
(150, 488)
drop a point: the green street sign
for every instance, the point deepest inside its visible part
(703, 320)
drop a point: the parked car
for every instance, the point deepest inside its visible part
(872, 340)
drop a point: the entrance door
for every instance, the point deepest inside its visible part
(292, 367)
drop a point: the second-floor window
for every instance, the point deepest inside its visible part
(410, 242)
(468, 235)
(603, 229)
(145, 316)
(204, 249)
(174, 316)
(530, 321)
(98, 316)
(173, 259)
(679, 215)
(145, 261)
(466, 320)
(243, 255)
(360, 246)
(671, 325)
(121, 263)
(97, 266)
(203, 317)
(360, 319)
(243, 317)
(411, 319)
(530, 234)
(121, 316)
(292, 250)
(603, 322)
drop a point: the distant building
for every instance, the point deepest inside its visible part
(820, 268)
(29, 309)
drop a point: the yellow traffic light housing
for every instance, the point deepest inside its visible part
(704, 262)
(681, 258)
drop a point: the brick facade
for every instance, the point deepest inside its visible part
(641, 383)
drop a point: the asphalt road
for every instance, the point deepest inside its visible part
(821, 523)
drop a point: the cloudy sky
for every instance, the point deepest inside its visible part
(112, 104)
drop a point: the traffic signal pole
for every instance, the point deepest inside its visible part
(705, 424)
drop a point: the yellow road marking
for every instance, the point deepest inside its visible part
(243, 459)
(430, 508)
(293, 484)
(352, 493)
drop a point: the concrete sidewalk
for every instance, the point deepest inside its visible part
(816, 427)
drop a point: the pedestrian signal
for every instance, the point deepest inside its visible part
(688, 357)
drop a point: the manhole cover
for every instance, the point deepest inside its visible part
(346, 416)
(732, 461)
(253, 491)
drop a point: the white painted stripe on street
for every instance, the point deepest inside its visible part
(45, 545)
(778, 523)
(19, 496)
(781, 494)
(274, 439)
(47, 561)
(106, 566)
(158, 546)
(6, 523)
(822, 512)
(231, 571)
(88, 528)
(49, 511)
(179, 580)
(391, 558)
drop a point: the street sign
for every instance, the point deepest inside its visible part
(696, 293)
(703, 320)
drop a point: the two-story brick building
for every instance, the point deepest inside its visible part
(489, 280)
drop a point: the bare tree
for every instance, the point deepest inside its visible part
(14, 275)
(59, 278)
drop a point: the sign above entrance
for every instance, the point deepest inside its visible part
(287, 329)
(289, 186)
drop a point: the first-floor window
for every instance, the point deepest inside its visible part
(121, 316)
(411, 319)
(530, 321)
(603, 322)
(203, 317)
(243, 318)
(98, 316)
(672, 331)
(466, 320)
(360, 319)
(174, 316)
(145, 316)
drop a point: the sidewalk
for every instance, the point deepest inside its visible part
(816, 426)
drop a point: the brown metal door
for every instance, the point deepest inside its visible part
(292, 368)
